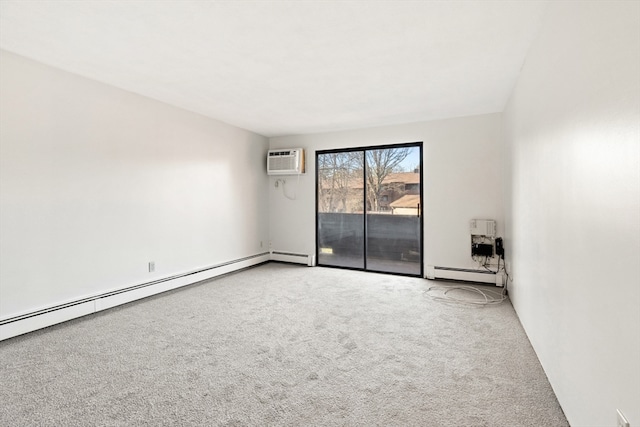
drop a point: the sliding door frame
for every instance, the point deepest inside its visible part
(364, 149)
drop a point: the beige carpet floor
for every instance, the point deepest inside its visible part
(281, 345)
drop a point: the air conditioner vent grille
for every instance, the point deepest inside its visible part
(285, 162)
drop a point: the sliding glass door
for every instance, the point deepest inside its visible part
(369, 208)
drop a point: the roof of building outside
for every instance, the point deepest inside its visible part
(403, 177)
(407, 201)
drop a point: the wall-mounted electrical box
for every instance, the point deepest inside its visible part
(482, 249)
(287, 161)
(483, 227)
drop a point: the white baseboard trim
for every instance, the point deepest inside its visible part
(48, 316)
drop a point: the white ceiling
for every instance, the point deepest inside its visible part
(288, 67)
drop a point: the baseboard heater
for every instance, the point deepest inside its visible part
(309, 260)
(48, 316)
(465, 275)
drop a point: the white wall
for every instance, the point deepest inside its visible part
(461, 176)
(96, 182)
(572, 134)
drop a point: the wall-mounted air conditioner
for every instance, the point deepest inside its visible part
(287, 161)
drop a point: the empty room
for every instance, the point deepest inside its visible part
(320, 213)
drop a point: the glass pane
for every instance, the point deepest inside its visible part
(341, 209)
(393, 210)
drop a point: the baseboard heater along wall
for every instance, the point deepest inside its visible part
(465, 275)
(48, 316)
(309, 260)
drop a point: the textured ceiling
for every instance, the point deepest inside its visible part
(288, 67)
